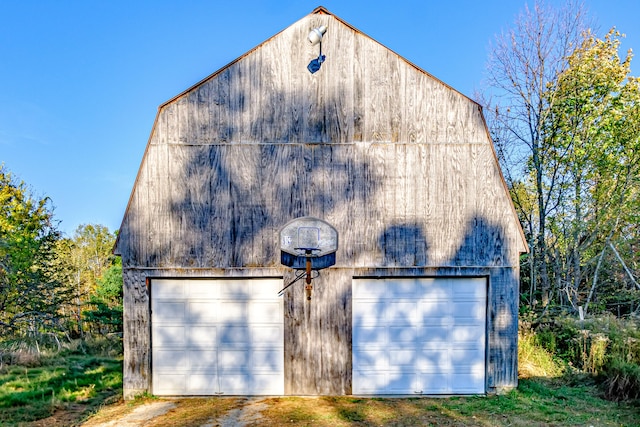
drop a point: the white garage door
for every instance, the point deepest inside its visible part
(419, 336)
(217, 337)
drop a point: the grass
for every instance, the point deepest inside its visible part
(86, 390)
(74, 384)
(535, 403)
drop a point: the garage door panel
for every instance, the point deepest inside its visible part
(202, 336)
(370, 289)
(201, 289)
(403, 334)
(369, 312)
(432, 311)
(169, 289)
(265, 289)
(401, 382)
(464, 383)
(370, 382)
(267, 361)
(238, 290)
(169, 383)
(434, 333)
(233, 360)
(467, 334)
(468, 289)
(434, 360)
(433, 383)
(203, 360)
(418, 346)
(169, 312)
(434, 289)
(266, 383)
(169, 336)
(204, 311)
(265, 336)
(371, 358)
(464, 358)
(264, 312)
(217, 336)
(402, 358)
(468, 310)
(235, 383)
(401, 313)
(232, 312)
(404, 288)
(172, 360)
(370, 335)
(234, 336)
(202, 384)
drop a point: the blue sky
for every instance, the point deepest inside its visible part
(81, 81)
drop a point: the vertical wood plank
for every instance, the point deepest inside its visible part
(360, 88)
(221, 219)
(136, 367)
(318, 338)
(202, 115)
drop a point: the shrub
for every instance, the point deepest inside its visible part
(592, 350)
(533, 359)
(591, 344)
(621, 381)
(20, 357)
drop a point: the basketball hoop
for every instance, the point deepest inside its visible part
(308, 244)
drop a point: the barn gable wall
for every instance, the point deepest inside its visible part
(398, 162)
(370, 140)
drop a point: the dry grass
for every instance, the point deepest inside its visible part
(187, 412)
(536, 403)
(533, 360)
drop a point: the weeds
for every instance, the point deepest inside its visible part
(622, 381)
(607, 348)
(28, 394)
(534, 360)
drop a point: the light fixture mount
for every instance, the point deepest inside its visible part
(315, 38)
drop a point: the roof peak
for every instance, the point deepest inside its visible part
(321, 10)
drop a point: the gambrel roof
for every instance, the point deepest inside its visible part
(370, 138)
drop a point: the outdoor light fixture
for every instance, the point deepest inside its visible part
(315, 38)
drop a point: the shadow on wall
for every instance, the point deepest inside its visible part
(386, 320)
(404, 245)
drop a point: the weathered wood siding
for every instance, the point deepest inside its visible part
(393, 204)
(397, 161)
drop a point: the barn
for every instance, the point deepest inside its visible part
(419, 294)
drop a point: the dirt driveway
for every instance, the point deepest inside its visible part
(274, 411)
(227, 412)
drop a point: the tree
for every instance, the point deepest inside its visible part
(525, 60)
(30, 288)
(87, 257)
(565, 120)
(105, 312)
(593, 127)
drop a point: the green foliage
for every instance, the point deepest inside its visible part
(606, 348)
(593, 130)
(31, 290)
(85, 258)
(566, 125)
(105, 312)
(29, 394)
(48, 284)
(621, 381)
(534, 360)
